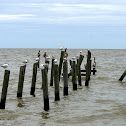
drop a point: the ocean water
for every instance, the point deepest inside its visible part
(103, 103)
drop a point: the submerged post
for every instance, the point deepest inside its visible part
(56, 82)
(60, 63)
(123, 75)
(45, 87)
(74, 74)
(4, 89)
(34, 75)
(65, 77)
(21, 81)
(88, 68)
(52, 69)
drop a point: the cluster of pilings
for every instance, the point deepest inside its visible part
(56, 71)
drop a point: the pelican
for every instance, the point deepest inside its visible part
(25, 61)
(94, 64)
(5, 65)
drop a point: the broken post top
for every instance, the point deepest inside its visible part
(89, 54)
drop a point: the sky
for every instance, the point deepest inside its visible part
(75, 24)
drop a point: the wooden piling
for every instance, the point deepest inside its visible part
(60, 63)
(56, 82)
(65, 77)
(4, 89)
(79, 69)
(39, 62)
(45, 88)
(52, 70)
(34, 75)
(88, 68)
(123, 75)
(39, 58)
(74, 74)
(21, 81)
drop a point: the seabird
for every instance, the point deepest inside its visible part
(77, 57)
(45, 54)
(42, 66)
(5, 65)
(25, 61)
(55, 61)
(65, 55)
(94, 63)
(81, 52)
(61, 48)
(53, 57)
(73, 58)
(37, 59)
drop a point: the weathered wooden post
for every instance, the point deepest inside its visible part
(56, 81)
(39, 58)
(4, 89)
(21, 81)
(123, 75)
(39, 62)
(34, 75)
(60, 63)
(45, 87)
(52, 70)
(47, 61)
(65, 77)
(69, 74)
(88, 68)
(79, 69)
(74, 74)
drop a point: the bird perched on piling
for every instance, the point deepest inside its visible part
(45, 54)
(94, 63)
(81, 52)
(53, 57)
(37, 59)
(5, 65)
(25, 61)
(61, 48)
(55, 61)
(42, 66)
(65, 55)
(73, 58)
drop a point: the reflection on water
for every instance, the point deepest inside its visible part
(20, 102)
(45, 115)
(102, 103)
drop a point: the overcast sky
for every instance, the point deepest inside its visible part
(85, 24)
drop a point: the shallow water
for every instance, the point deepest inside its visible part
(102, 103)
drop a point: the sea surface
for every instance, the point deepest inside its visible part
(103, 103)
